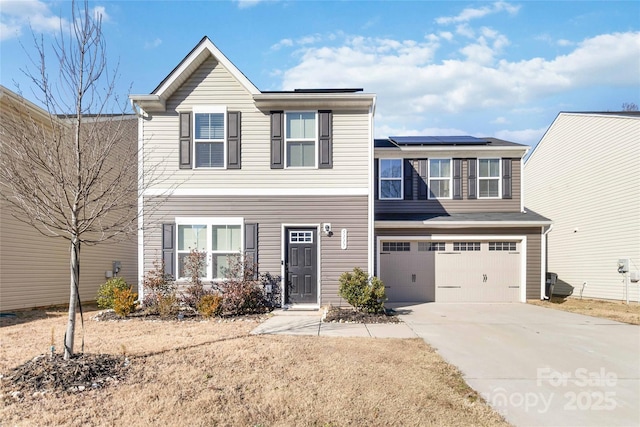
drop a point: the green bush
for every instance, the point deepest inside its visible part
(124, 301)
(362, 292)
(106, 291)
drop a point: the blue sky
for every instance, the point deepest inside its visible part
(501, 69)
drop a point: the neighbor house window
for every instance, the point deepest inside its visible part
(489, 178)
(390, 179)
(209, 137)
(300, 140)
(439, 178)
(219, 238)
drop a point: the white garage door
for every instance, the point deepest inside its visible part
(458, 271)
(478, 272)
(407, 271)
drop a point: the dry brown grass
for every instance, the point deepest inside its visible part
(210, 373)
(613, 310)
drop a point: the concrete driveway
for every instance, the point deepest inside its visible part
(539, 366)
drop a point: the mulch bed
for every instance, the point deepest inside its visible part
(183, 315)
(52, 374)
(350, 315)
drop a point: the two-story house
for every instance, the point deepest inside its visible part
(283, 177)
(450, 223)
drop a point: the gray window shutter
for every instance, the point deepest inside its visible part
(422, 178)
(277, 140)
(472, 177)
(233, 140)
(457, 179)
(185, 141)
(506, 179)
(325, 140)
(408, 179)
(251, 247)
(168, 249)
(376, 178)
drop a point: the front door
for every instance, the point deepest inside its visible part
(301, 266)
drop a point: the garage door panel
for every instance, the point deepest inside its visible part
(408, 276)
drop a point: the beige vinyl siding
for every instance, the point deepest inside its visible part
(585, 176)
(457, 206)
(533, 235)
(34, 269)
(212, 84)
(270, 213)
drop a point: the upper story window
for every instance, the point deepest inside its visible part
(219, 238)
(390, 179)
(300, 139)
(439, 178)
(209, 137)
(489, 178)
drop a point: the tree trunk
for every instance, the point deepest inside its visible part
(73, 297)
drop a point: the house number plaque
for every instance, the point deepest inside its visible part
(343, 239)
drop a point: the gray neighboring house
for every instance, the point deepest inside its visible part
(585, 174)
(451, 224)
(283, 177)
(34, 269)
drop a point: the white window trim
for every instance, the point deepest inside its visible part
(450, 197)
(499, 178)
(205, 110)
(314, 139)
(401, 179)
(208, 222)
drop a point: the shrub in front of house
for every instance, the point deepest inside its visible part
(361, 291)
(210, 305)
(124, 301)
(159, 291)
(105, 297)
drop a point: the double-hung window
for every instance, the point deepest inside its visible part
(489, 178)
(301, 139)
(219, 238)
(209, 137)
(390, 179)
(439, 178)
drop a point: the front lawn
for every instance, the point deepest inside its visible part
(613, 310)
(214, 373)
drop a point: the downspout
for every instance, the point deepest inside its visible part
(140, 113)
(370, 192)
(543, 261)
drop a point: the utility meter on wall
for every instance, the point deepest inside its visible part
(623, 265)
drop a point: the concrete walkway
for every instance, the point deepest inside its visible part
(285, 322)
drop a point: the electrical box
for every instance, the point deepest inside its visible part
(623, 265)
(635, 276)
(116, 267)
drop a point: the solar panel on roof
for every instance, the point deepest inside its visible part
(438, 140)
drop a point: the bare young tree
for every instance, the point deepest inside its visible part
(629, 106)
(71, 175)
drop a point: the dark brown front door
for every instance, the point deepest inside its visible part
(301, 265)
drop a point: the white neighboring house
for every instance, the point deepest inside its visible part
(585, 175)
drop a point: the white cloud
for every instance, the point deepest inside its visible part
(245, 4)
(282, 43)
(410, 84)
(474, 13)
(500, 121)
(153, 44)
(524, 136)
(447, 35)
(100, 11)
(563, 42)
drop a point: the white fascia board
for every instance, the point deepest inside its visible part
(458, 224)
(504, 151)
(151, 103)
(257, 192)
(297, 100)
(207, 45)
